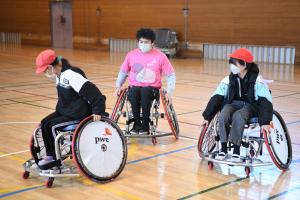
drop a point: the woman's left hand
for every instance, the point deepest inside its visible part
(266, 128)
(96, 117)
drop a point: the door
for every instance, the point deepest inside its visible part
(61, 24)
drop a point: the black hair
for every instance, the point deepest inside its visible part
(146, 33)
(249, 66)
(55, 62)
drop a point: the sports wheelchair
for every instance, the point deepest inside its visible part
(154, 116)
(277, 142)
(98, 147)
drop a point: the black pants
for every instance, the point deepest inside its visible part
(142, 97)
(49, 126)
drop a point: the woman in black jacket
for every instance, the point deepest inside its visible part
(241, 95)
(77, 98)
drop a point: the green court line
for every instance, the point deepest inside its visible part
(213, 188)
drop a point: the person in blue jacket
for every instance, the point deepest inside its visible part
(240, 96)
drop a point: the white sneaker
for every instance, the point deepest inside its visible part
(46, 160)
(221, 156)
(235, 158)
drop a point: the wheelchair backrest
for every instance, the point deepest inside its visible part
(165, 38)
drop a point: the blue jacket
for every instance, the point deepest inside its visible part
(258, 95)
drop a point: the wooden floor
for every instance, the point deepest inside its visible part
(169, 170)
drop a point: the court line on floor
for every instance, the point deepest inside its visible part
(225, 184)
(283, 193)
(128, 163)
(14, 153)
(213, 188)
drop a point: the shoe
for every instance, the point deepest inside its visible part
(221, 156)
(46, 160)
(136, 127)
(235, 158)
(145, 129)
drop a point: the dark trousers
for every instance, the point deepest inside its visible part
(49, 126)
(236, 114)
(142, 97)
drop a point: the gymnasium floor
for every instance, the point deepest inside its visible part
(169, 170)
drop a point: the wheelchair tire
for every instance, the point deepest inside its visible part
(278, 143)
(117, 111)
(99, 149)
(171, 114)
(207, 140)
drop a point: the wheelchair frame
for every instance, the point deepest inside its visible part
(208, 146)
(67, 148)
(154, 116)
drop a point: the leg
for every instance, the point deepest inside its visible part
(134, 97)
(239, 119)
(148, 94)
(225, 121)
(49, 126)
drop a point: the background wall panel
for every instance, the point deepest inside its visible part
(268, 22)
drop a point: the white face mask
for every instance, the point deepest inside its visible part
(234, 69)
(49, 73)
(145, 47)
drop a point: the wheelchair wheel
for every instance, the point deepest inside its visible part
(117, 111)
(278, 143)
(170, 113)
(37, 146)
(207, 139)
(99, 149)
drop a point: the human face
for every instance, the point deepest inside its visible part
(145, 45)
(50, 72)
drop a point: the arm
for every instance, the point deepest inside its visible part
(88, 91)
(171, 80)
(93, 95)
(216, 101)
(121, 79)
(264, 100)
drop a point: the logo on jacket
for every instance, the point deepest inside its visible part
(65, 81)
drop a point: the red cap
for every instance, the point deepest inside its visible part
(242, 54)
(44, 59)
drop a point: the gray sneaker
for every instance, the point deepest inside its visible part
(235, 158)
(46, 160)
(221, 156)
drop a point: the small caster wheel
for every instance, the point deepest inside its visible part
(252, 153)
(124, 114)
(49, 182)
(162, 115)
(154, 141)
(25, 174)
(210, 165)
(247, 170)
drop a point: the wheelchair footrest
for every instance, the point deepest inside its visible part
(253, 163)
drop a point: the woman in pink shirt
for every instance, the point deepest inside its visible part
(145, 66)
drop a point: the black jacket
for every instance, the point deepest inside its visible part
(78, 97)
(264, 107)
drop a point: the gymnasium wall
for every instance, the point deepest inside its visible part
(267, 22)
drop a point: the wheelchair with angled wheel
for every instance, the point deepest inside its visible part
(98, 149)
(155, 114)
(277, 143)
